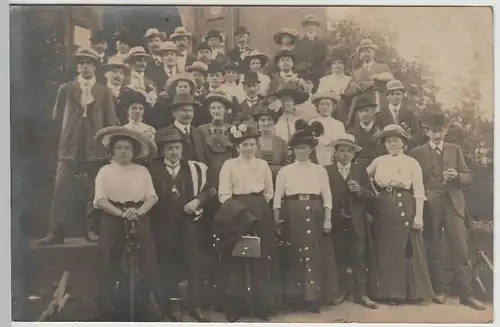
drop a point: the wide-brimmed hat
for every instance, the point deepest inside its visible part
(136, 52)
(291, 90)
(168, 46)
(129, 98)
(214, 33)
(113, 63)
(220, 96)
(202, 46)
(256, 55)
(332, 95)
(311, 19)
(306, 134)
(283, 53)
(394, 85)
(180, 31)
(184, 76)
(97, 36)
(434, 119)
(241, 30)
(392, 130)
(167, 135)
(154, 32)
(366, 43)
(365, 100)
(250, 78)
(147, 146)
(241, 132)
(197, 66)
(181, 100)
(347, 139)
(285, 31)
(86, 53)
(262, 110)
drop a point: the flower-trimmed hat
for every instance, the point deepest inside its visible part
(147, 146)
(392, 130)
(394, 85)
(180, 31)
(151, 32)
(306, 134)
(291, 90)
(231, 66)
(241, 132)
(332, 95)
(197, 66)
(220, 96)
(129, 98)
(263, 110)
(285, 31)
(366, 43)
(283, 53)
(115, 63)
(181, 77)
(347, 139)
(136, 52)
(256, 55)
(86, 53)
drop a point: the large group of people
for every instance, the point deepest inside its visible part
(300, 184)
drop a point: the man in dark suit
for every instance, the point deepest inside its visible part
(83, 107)
(181, 37)
(364, 129)
(99, 43)
(351, 190)
(246, 109)
(194, 145)
(242, 49)
(154, 69)
(445, 173)
(170, 58)
(214, 40)
(311, 51)
(114, 72)
(181, 186)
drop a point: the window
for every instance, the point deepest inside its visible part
(81, 36)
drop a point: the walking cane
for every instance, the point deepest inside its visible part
(248, 278)
(132, 248)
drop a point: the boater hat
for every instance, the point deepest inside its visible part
(115, 63)
(86, 53)
(147, 147)
(197, 66)
(180, 31)
(136, 52)
(332, 95)
(347, 139)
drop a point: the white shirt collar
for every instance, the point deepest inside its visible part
(173, 69)
(439, 146)
(115, 89)
(157, 57)
(138, 75)
(311, 36)
(341, 166)
(367, 127)
(211, 89)
(101, 54)
(170, 163)
(89, 82)
(368, 65)
(182, 127)
(394, 108)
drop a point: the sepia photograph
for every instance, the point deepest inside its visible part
(283, 164)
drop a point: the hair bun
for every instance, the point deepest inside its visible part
(316, 129)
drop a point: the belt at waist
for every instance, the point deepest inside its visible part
(390, 189)
(303, 197)
(253, 193)
(127, 205)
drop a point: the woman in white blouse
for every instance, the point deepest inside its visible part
(124, 192)
(403, 273)
(303, 201)
(249, 181)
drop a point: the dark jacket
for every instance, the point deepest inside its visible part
(197, 140)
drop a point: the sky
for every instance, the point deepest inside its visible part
(448, 38)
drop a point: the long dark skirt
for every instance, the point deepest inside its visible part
(115, 270)
(262, 276)
(312, 276)
(402, 264)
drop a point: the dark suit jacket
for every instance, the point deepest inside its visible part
(452, 158)
(156, 73)
(198, 142)
(406, 118)
(101, 113)
(234, 55)
(371, 146)
(310, 55)
(356, 203)
(244, 112)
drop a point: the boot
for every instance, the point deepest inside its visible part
(473, 303)
(51, 239)
(439, 298)
(367, 303)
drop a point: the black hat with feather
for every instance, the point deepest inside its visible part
(306, 134)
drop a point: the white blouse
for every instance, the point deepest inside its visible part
(334, 83)
(239, 176)
(302, 178)
(120, 183)
(333, 130)
(285, 127)
(144, 129)
(398, 171)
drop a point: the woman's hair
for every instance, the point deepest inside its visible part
(136, 146)
(384, 139)
(171, 89)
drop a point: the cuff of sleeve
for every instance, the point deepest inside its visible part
(328, 206)
(420, 197)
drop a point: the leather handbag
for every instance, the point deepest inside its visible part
(247, 247)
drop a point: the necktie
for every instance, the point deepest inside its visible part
(395, 113)
(186, 131)
(344, 171)
(87, 98)
(172, 170)
(438, 150)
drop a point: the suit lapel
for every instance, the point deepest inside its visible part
(448, 157)
(76, 91)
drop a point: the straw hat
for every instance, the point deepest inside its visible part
(392, 130)
(136, 52)
(219, 96)
(197, 66)
(347, 139)
(366, 43)
(147, 147)
(332, 95)
(285, 31)
(256, 55)
(154, 32)
(86, 53)
(394, 85)
(115, 63)
(180, 31)
(168, 46)
(311, 20)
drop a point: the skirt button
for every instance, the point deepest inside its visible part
(406, 223)
(403, 214)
